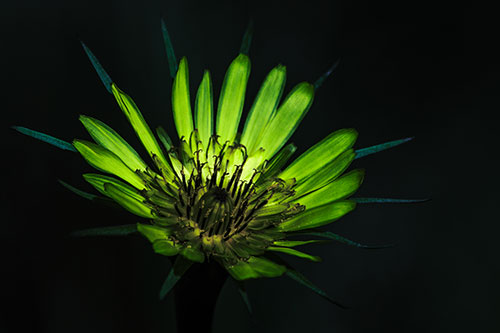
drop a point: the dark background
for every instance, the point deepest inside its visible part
(408, 69)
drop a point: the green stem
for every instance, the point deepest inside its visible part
(195, 297)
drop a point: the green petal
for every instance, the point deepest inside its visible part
(165, 247)
(106, 161)
(232, 98)
(277, 162)
(164, 138)
(287, 118)
(320, 154)
(203, 114)
(290, 243)
(119, 230)
(317, 217)
(98, 182)
(152, 232)
(294, 252)
(137, 121)
(181, 266)
(255, 267)
(83, 194)
(181, 102)
(336, 190)
(112, 141)
(45, 138)
(263, 108)
(326, 174)
(193, 254)
(129, 203)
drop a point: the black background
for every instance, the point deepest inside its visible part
(408, 69)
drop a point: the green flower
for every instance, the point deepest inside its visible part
(220, 195)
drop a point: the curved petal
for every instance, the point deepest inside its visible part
(106, 161)
(204, 117)
(232, 98)
(112, 141)
(287, 118)
(128, 202)
(255, 267)
(181, 102)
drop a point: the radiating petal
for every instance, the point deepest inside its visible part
(165, 247)
(106, 161)
(292, 243)
(317, 217)
(326, 174)
(112, 141)
(232, 98)
(287, 118)
(255, 267)
(294, 252)
(140, 126)
(263, 108)
(320, 154)
(181, 102)
(152, 232)
(204, 117)
(129, 203)
(336, 190)
(98, 182)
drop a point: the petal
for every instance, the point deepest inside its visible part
(317, 217)
(128, 202)
(193, 254)
(291, 243)
(255, 267)
(336, 190)
(287, 118)
(327, 174)
(203, 116)
(109, 139)
(320, 154)
(152, 232)
(165, 247)
(106, 161)
(181, 102)
(232, 98)
(98, 182)
(263, 108)
(295, 253)
(140, 126)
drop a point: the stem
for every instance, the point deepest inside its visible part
(195, 297)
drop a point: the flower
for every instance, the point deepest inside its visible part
(219, 195)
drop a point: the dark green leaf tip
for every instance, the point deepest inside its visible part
(171, 59)
(322, 78)
(81, 193)
(381, 147)
(106, 80)
(388, 200)
(45, 138)
(120, 230)
(298, 277)
(181, 265)
(244, 296)
(343, 240)
(247, 38)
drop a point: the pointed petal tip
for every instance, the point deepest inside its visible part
(105, 78)
(247, 38)
(322, 78)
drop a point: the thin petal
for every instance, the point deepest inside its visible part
(140, 126)
(112, 141)
(129, 203)
(204, 117)
(98, 182)
(106, 161)
(255, 267)
(181, 102)
(295, 253)
(232, 98)
(326, 174)
(381, 147)
(320, 154)
(317, 217)
(291, 243)
(152, 232)
(263, 108)
(172, 60)
(287, 118)
(336, 190)
(105, 79)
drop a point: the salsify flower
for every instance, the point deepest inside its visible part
(220, 195)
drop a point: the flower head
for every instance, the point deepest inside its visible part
(220, 195)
